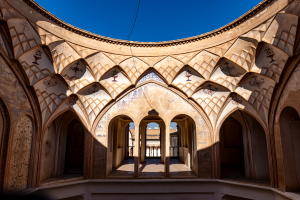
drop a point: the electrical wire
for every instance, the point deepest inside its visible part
(132, 28)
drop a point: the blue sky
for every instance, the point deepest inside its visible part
(158, 20)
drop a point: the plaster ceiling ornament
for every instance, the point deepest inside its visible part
(188, 80)
(220, 50)
(94, 98)
(258, 90)
(204, 63)
(115, 82)
(23, 36)
(270, 62)
(51, 91)
(228, 74)
(237, 49)
(83, 51)
(236, 102)
(282, 32)
(242, 52)
(185, 58)
(168, 68)
(63, 54)
(134, 68)
(211, 98)
(151, 61)
(77, 75)
(258, 32)
(8, 12)
(47, 37)
(100, 64)
(293, 8)
(150, 76)
(117, 58)
(36, 65)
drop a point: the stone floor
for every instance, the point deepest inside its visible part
(152, 168)
(64, 178)
(237, 174)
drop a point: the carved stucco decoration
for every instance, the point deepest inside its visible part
(222, 61)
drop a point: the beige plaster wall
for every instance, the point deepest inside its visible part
(48, 154)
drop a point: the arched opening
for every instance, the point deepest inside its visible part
(232, 149)
(243, 149)
(74, 148)
(121, 143)
(290, 140)
(153, 135)
(63, 150)
(183, 148)
(4, 135)
(174, 140)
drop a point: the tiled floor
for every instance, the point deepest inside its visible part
(152, 168)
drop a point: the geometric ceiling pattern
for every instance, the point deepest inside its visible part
(239, 70)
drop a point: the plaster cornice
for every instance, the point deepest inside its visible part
(90, 35)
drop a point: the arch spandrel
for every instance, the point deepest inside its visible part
(151, 96)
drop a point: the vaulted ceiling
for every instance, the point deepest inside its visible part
(242, 61)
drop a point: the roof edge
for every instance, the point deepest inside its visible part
(262, 5)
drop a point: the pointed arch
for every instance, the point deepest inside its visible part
(151, 74)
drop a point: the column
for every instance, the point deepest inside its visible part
(167, 150)
(162, 142)
(137, 152)
(143, 142)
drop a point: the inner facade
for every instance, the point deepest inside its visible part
(215, 116)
